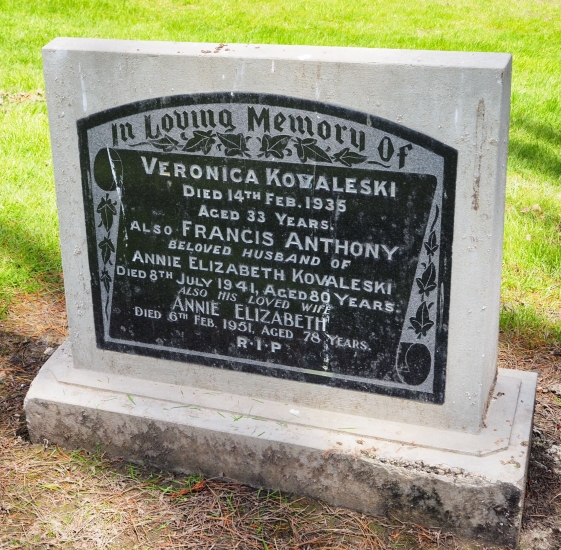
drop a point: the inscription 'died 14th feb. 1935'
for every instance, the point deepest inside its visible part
(271, 235)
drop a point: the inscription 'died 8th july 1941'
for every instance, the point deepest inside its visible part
(271, 235)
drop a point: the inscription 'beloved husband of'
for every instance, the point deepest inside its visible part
(271, 235)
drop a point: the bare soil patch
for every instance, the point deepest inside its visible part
(22, 97)
(55, 498)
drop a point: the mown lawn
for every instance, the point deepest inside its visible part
(50, 498)
(529, 29)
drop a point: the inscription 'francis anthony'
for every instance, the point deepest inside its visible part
(271, 235)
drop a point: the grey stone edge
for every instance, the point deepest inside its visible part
(276, 446)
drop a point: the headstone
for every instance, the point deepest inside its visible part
(283, 264)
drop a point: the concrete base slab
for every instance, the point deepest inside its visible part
(472, 484)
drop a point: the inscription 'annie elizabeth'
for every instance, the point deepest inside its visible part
(271, 235)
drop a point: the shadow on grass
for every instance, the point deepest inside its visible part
(535, 145)
(529, 327)
(35, 265)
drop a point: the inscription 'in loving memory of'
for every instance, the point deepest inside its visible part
(271, 235)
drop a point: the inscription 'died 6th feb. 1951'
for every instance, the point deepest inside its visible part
(271, 235)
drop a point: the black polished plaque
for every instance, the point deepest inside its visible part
(271, 235)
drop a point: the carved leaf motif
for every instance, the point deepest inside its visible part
(165, 143)
(307, 149)
(201, 141)
(431, 245)
(107, 248)
(107, 210)
(273, 146)
(427, 281)
(234, 144)
(105, 278)
(422, 322)
(348, 157)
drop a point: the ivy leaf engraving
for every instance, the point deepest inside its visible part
(427, 281)
(234, 144)
(105, 278)
(273, 146)
(348, 157)
(307, 149)
(201, 141)
(107, 248)
(422, 322)
(165, 143)
(431, 245)
(107, 210)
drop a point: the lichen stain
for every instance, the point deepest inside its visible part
(479, 141)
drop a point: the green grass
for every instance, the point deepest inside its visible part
(529, 29)
(29, 250)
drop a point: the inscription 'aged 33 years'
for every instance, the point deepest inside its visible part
(271, 235)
